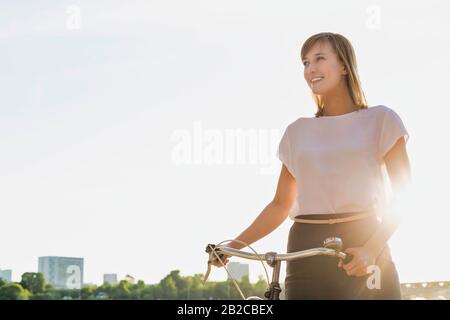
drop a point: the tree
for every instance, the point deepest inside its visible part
(245, 286)
(140, 284)
(196, 287)
(168, 288)
(157, 291)
(75, 294)
(149, 292)
(220, 290)
(104, 290)
(88, 292)
(136, 290)
(13, 291)
(183, 284)
(33, 281)
(47, 295)
(173, 286)
(48, 287)
(260, 287)
(121, 291)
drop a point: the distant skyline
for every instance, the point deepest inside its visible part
(96, 95)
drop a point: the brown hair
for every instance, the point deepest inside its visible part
(346, 55)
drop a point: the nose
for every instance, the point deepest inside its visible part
(310, 71)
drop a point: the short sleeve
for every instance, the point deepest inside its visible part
(284, 152)
(392, 129)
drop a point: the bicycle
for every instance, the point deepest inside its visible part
(331, 247)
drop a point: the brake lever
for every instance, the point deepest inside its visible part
(208, 271)
(348, 258)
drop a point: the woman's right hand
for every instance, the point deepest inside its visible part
(217, 263)
(225, 259)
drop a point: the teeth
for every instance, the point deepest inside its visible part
(316, 79)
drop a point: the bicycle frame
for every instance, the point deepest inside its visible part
(332, 247)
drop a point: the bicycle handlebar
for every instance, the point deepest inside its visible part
(332, 246)
(224, 250)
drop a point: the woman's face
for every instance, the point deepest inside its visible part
(322, 69)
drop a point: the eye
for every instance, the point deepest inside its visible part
(305, 63)
(319, 58)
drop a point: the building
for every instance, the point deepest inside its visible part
(433, 290)
(62, 272)
(6, 275)
(110, 278)
(238, 270)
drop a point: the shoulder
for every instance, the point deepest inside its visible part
(378, 109)
(384, 110)
(293, 124)
(384, 114)
(390, 117)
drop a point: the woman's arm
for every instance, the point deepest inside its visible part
(272, 215)
(398, 168)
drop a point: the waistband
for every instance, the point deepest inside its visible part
(334, 217)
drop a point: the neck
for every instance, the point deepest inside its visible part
(338, 103)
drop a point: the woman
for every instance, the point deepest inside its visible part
(333, 167)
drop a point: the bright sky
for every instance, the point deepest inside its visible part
(96, 96)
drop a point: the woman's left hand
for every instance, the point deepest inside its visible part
(362, 259)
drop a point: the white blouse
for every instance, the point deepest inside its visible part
(337, 161)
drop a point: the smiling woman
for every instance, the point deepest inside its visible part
(336, 159)
(331, 72)
(333, 167)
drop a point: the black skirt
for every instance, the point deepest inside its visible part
(319, 277)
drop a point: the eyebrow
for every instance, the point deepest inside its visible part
(316, 54)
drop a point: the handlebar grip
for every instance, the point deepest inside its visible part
(209, 246)
(348, 258)
(213, 246)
